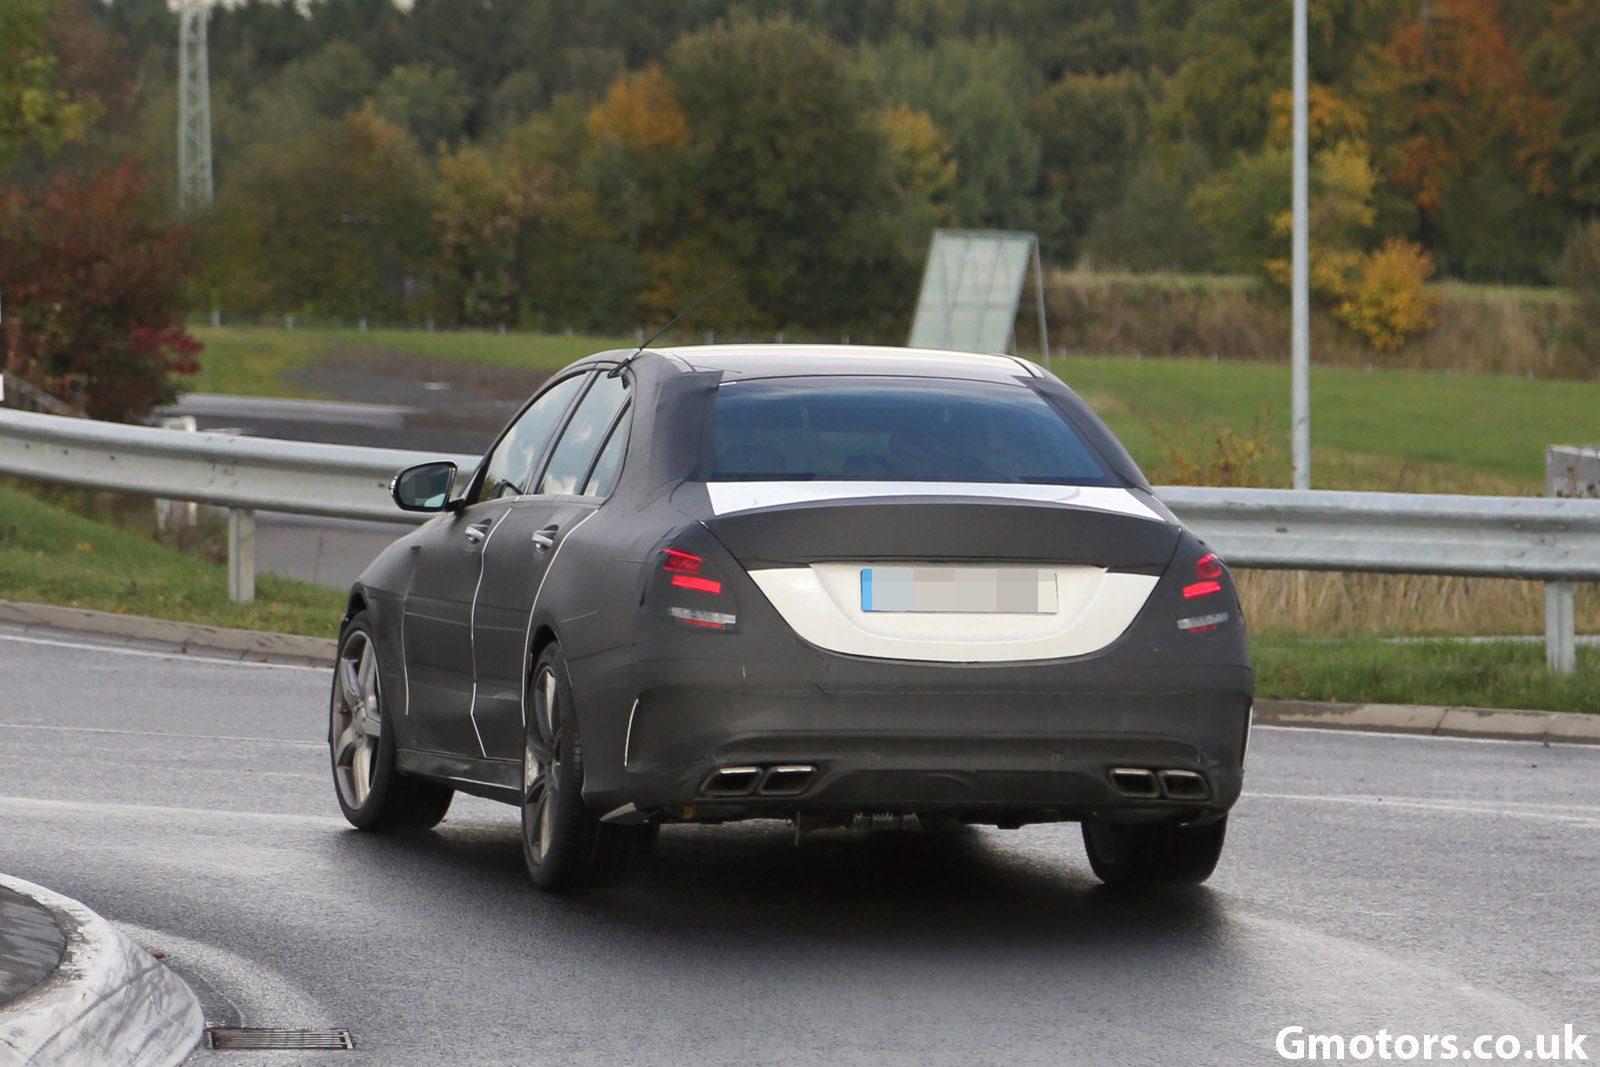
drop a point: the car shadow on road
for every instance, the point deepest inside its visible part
(965, 888)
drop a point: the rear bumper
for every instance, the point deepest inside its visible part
(976, 755)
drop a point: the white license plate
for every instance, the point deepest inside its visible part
(959, 590)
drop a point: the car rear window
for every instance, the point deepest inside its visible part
(880, 429)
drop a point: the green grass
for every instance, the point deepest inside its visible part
(52, 556)
(1520, 294)
(255, 360)
(1493, 425)
(1489, 425)
(1494, 674)
(1205, 283)
(1447, 289)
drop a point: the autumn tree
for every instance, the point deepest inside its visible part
(339, 223)
(787, 177)
(1562, 67)
(33, 109)
(1091, 130)
(94, 293)
(977, 91)
(1464, 134)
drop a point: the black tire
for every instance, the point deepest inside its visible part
(1153, 854)
(564, 845)
(372, 793)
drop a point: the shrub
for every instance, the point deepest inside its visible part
(93, 293)
(1387, 304)
(1215, 456)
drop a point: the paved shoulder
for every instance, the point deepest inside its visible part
(101, 999)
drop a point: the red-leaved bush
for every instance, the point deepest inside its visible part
(93, 291)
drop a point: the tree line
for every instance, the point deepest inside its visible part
(599, 163)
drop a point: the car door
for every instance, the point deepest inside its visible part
(437, 621)
(527, 543)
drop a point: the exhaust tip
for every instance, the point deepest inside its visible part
(1135, 782)
(1184, 785)
(732, 782)
(787, 780)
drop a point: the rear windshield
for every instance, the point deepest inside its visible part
(894, 429)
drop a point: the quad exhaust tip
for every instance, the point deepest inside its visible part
(781, 780)
(786, 780)
(1174, 784)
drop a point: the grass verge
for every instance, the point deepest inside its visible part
(52, 556)
(1370, 670)
(1460, 425)
(1490, 425)
(259, 360)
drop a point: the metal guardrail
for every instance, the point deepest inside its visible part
(227, 470)
(1537, 538)
(1401, 533)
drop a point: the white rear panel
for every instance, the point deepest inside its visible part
(822, 603)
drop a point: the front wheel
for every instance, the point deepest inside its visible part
(1153, 854)
(563, 844)
(372, 792)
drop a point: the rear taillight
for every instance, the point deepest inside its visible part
(1208, 571)
(1208, 568)
(693, 597)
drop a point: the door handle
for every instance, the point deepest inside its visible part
(479, 530)
(545, 539)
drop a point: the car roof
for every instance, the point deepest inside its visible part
(788, 360)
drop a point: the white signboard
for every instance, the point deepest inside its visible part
(971, 288)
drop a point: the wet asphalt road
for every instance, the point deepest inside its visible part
(1423, 885)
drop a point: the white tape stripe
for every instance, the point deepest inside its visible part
(730, 497)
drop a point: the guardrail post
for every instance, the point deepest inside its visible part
(1561, 626)
(241, 555)
(1571, 472)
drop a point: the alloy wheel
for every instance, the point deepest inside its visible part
(356, 722)
(541, 766)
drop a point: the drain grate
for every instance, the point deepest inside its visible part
(255, 1037)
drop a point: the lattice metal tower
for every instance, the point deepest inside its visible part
(194, 109)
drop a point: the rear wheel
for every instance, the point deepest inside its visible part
(565, 846)
(372, 793)
(1153, 854)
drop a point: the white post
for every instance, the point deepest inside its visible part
(1300, 312)
(241, 555)
(1561, 627)
(1038, 292)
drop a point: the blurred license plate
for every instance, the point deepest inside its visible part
(962, 590)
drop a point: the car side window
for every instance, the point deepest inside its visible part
(584, 434)
(603, 478)
(516, 457)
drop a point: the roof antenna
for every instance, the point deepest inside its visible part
(636, 352)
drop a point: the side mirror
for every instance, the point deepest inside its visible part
(425, 487)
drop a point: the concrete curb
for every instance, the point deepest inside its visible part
(1563, 726)
(184, 636)
(1551, 726)
(107, 1001)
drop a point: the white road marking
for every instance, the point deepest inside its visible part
(1574, 814)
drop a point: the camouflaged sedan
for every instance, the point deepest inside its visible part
(840, 586)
